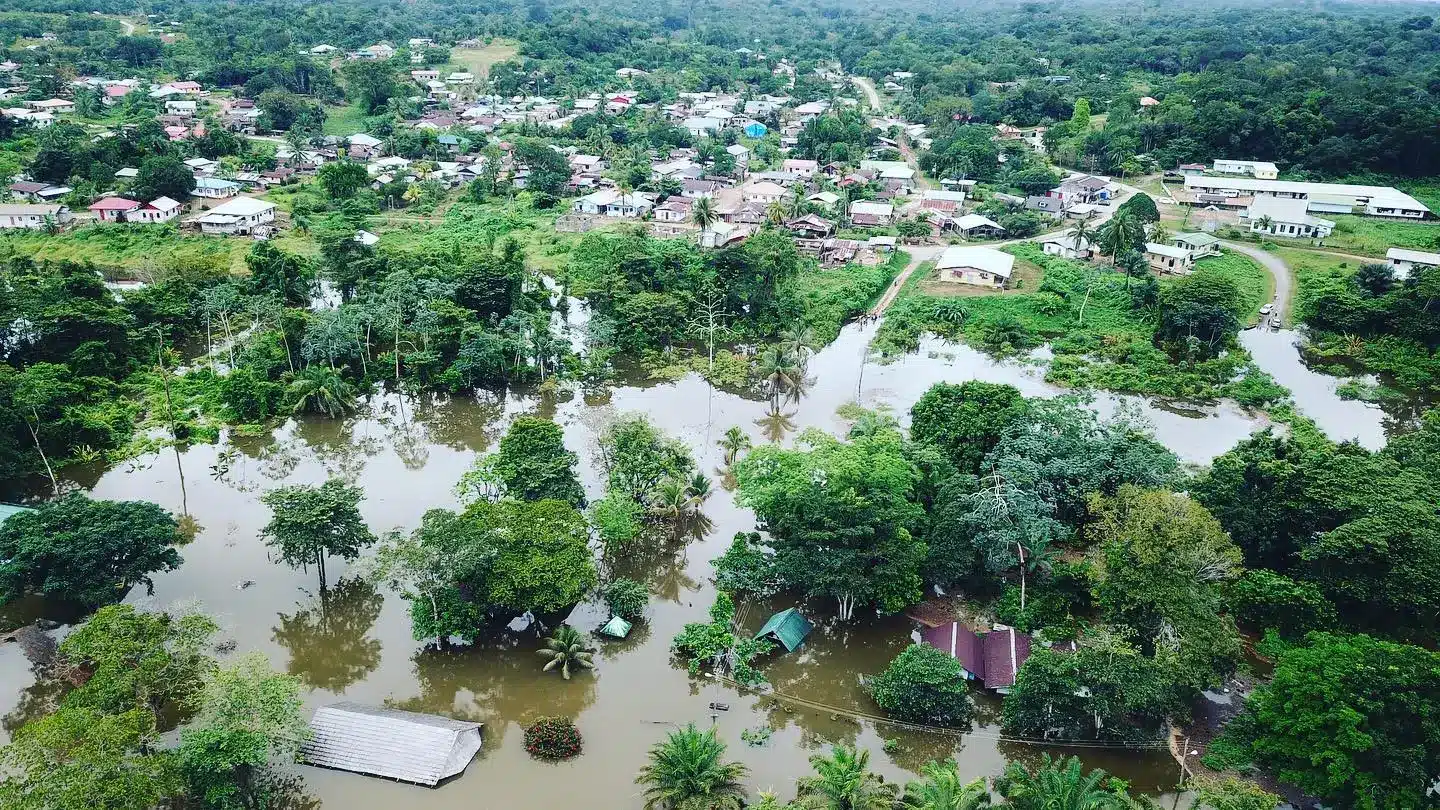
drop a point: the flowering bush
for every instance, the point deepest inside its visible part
(553, 738)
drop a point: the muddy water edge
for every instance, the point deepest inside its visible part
(407, 454)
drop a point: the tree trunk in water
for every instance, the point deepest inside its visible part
(54, 484)
(320, 565)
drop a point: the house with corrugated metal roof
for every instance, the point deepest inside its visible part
(787, 627)
(993, 658)
(406, 746)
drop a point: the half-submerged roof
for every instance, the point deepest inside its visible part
(787, 627)
(616, 627)
(410, 747)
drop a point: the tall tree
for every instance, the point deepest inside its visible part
(310, 523)
(688, 770)
(843, 781)
(534, 464)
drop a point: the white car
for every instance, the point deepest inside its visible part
(1267, 309)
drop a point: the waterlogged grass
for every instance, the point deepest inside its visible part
(1099, 340)
(1256, 285)
(123, 249)
(834, 296)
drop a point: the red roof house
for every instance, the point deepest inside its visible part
(113, 209)
(993, 657)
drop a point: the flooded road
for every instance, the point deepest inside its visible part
(407, 456)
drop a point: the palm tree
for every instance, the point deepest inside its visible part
(1058, 787)
(734, 442)
(564, 648)
(1119, 234)
(779, 368)
(843, 781)
(776, 424)
(703, 213)
(699, 489)
(1082, 232)
(318, 389)
(799, 342)
(1159, 233)
(1265, 223)
(941, 789)
(687, 771)
(673, 502)
(775, 214)
(952, 313)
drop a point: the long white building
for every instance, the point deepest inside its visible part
(1320, 198)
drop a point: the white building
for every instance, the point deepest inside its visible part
(763, 192)
(213, 188)
(1169, 259)
(1406, 261)
(1258, 169)
(26, 215)
(1332, 198)
(980, 266)
(699, 126)
(160, 209)
(611, 203)
(1287, 217)
(238, 216)
(1066, 246)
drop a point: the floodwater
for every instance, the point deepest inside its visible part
(407, 455)
(1314, 393)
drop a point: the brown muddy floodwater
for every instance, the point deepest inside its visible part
(407, 455)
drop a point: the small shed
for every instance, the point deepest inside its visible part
(787, 627)
(616, 627)
(406, 746)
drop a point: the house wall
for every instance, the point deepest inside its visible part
(971, 275)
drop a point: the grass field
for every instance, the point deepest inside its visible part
(1255, 284)
(344, 120)
(137, 250)
(479, 60)
(1313, 271)
(1372, 236)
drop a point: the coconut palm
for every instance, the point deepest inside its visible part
(776, 424)
(1265, 223)
(941, 789)
(780, 370)
(703, 213)
(1082, 232)
(799, 342)
(1120, 233)
(952, 313)
(687, 771)
(843, 781)
(318, 389)
(775, 214)
(566, 648)
(1055, 786)
(672, 502)
(699, 488)
(734, 442)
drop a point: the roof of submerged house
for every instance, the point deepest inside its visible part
(410, 747)
(788, 627)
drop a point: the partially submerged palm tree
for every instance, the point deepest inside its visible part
(699, 489)
(1057, 786)
(843, 781)
(317, 389)
(798, 342)
(734, 442)
(942, 789)
(687, 772)
(780, 370)
(566, 648)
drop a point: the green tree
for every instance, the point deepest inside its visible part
(163, 176)
(636, 457)
(565, 649)
(687, 770)
(371, 83)
(1263, 600)
(342, 179)
(626, 598)
(44, 388)
(1230, 793)
(249, 719)
(734, 442)
(287, 276)
(425, 566)
(541, 555)
(839, 516)
(966, 420)
(91, 552)
(924, 685)
(941, 788)
(843, 781)
(78, 759)
(134, 659)
(1142, 208)
(534, 464)
(1349, 719)
(311, 523)
(1119, 234)
(1200, 312)
(1080, 115)
(1108, 689)
(320, 390)
(1060, 786)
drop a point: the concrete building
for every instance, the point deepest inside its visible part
(980, 266)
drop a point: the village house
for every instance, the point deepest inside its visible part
(829, 199)
(972, 225)
(1067, 246)
(238, 217)
(54, 106)
(992, 658)
(460, 78)
(674, 210)
(115, 93)
(424, 76)
(763, 192)
(695, 189)
(864, 213)
(1199, 244)
(160, 209)
(214, 188)
(1288, 217)
(810, 226)
(1081, 190)
(364, 147)
(28, 190)
(1405, 262)
(201, 167)
(946, 201)
(113, 209)
(183, 108)
(1050, 206)
(1169, 259)
(33, 118)
(612, 203)
(978, 266)
(32, 216)
(1258, 169)
(802, 168)
(722, 234)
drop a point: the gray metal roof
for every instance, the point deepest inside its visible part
(410, 747)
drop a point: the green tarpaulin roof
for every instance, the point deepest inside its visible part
(617, 627)
(787, 627)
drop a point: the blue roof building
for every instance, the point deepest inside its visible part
(755, 129)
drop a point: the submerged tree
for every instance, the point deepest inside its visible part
(565, 649)
(310, 523)
(688, 770)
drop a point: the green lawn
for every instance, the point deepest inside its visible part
(479, 60)
(124, 250)
(1372, 236)
(1313, 272)
(1256, 285)
(344, 120)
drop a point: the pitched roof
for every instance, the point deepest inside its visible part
(8, 510)
(1005, 651)
(959, 642)
(419, 748)
(990, 260)
(787, 627)
(114, 204)
(616, 627)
